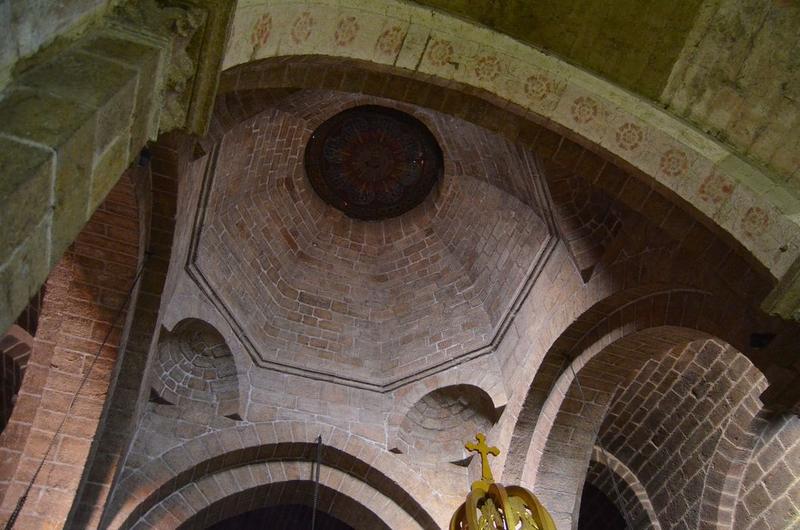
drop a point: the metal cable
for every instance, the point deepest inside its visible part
(316, 483)
(21, 502)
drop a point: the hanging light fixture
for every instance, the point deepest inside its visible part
(492, 506)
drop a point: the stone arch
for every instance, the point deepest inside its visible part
(607, 320)
(564, 436)
(241, 103)
(146, 487)
(86, 299)
(618, 482)
(195, 368)
(231, 492)
(768, 488)
(628, 310)
(684, 424)
(729, 463)
(158, 195)
(439, 423)
(514, 75)
(713, 376)
(560, 148)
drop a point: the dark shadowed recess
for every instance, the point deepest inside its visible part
(283, 517)
(598, 512)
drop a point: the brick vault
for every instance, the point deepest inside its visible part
(238, 238)
(369, 303)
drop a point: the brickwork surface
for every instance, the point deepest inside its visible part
(589, 298)
(82, 297)
(318, 289)
(769, 495)
(631, 286)
(195, 365)
(436, 427)
(689, 406)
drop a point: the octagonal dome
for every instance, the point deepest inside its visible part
(312, 288)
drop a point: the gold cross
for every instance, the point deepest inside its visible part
(484, 450)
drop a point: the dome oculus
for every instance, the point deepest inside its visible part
(373, 162)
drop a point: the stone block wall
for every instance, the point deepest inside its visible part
(76, 117)
(70, 127)
(26, 27)
(738, 78)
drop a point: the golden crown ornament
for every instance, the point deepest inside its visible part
(492, 506)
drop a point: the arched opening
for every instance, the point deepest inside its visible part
(288, 504)
(614, 496)
(15, 349)
(676, 400)
(281, 517)
(268, 455)
(195, 369)
(435, 428)
(598, 512)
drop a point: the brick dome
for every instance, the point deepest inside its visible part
(324, 291)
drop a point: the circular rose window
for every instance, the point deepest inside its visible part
(373, 162)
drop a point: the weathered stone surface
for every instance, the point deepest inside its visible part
(27, 177)
(96, 83)
(68, 129)
(614, 40)
(28, 27)
(107, 168)
(146, 54)
(96, 102)
(8, 49)
(41, 117)
(80, 77)
(182, 26)
(24, 270)
(738, 78)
